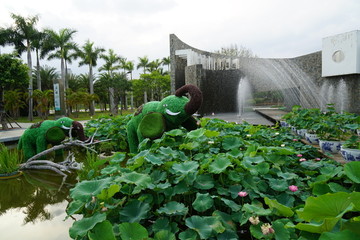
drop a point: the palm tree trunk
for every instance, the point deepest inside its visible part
(91, 84)
(113, 109)
(31, 103)
(62, 90)
(38, 71)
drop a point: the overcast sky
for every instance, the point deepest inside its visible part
(137, 28)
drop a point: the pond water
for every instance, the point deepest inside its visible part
(32, 206)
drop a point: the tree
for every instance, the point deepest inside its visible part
(5, 36)
(14, 100)
(143, 63)
(59, 43)
(166, 62)
(154, 65)
(13, 75)
(234, 51)
(40, 53)
(158, 84)
(89, 55)
(77, 82)
(44, 100)
(47, 75)
(112, 63)
(129, 67)
(23, 33)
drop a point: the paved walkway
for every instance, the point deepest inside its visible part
(13, 134)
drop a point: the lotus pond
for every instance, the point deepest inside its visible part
(221, 181)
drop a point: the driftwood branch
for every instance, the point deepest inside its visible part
(68, 164)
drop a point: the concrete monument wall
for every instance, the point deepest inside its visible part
(299, 78)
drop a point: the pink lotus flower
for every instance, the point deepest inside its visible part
(317, 159)
(242, 194)
(295, 140)
(299, 155)
(302, 159)
(266, 229)
(293, 188)
(254, 220)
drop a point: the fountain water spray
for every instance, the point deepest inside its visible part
(244, 95)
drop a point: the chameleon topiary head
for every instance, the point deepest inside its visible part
(177, 108)
(64, 123)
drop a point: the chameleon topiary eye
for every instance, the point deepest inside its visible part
(165, 105)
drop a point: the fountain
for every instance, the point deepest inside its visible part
(244, 95)
(311, 81)
(284, 75)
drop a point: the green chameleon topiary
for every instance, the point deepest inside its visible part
(152, 119)
(36, 138)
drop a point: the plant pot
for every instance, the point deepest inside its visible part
(329, 146)
(350, 154)
(284, 124)
(312, 138)
(301, 132)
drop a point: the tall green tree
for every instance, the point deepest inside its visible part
(47, 75)
(43, 101)
(112, 63)
(129, 68)
(166, 62)
(89, 55)
(13, 75)
(5, 37)
(59, 43)
(143, 63)
(23, 35)
(14, 100)
(154, 65)
(77, 82)
(40, 52)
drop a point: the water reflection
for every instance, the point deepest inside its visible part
(28, 204)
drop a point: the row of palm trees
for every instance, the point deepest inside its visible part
(25, 37)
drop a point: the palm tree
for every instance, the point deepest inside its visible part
(70, 53)
(47, 75)
(129, 67)
(5, 36)
(38, 45)
(23, 35)
(14, 100)
(112, 61)
(166, 62)
(89, 55)
(143, 63)
(60, 43)
(154, 65)
(44, 100)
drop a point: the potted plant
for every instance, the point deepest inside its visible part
(312, 117)
(350, 150)
(297, 119)
(10, 160)
(332, 130)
